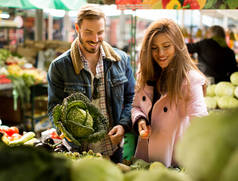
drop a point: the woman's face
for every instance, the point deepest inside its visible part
(163, 50)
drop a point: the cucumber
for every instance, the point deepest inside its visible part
(27, 136)
(31, 142)
(5, 139)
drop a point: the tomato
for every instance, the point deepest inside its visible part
(15, 136)
(145, 134)
(3, 129)
(54, 135)
(10, 131)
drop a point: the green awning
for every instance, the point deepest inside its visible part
(43, 4)
(58, 4)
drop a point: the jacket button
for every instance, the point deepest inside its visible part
(143, 98)
(165, 109)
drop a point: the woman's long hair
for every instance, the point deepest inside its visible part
(170, 79)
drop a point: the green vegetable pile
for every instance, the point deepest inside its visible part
(162, 174)
(4, 54)
(94, 169)
(27, 163)
(224, 94)
(80, 120)
(208, 151)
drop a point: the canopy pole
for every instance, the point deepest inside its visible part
(50, 27)
(39, 25)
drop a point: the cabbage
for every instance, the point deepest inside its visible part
(132, 175)
(208, 149)
(162, 175)
(236, 92)
(230, 171)
(211, 90)
(227, 102)
(95, 169)
(157, 165)
(234, 78)
(224, 89)
(211, 102)
(80, 120)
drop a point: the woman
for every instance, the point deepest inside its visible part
(169, 92)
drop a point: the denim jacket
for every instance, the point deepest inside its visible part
(63, 80)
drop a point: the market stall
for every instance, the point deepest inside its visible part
(207, 152)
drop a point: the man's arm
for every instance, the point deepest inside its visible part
(125, 119)
(117, 132)
(55, 88)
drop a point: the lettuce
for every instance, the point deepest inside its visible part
(234, 78)
(224, 89)
(208, 149)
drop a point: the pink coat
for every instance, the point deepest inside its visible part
(168, 122)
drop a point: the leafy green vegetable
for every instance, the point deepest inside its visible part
(139, 164)
(79, 120)
(157, 165)
(4, 54)
(22, 85)
(95, 169)
(230, 171)
(27, 163)
(211, 102)
(236, 92)
(233, 4)
(234, 78)
(227, 102)
(211, 90)
(206, 150)
(209, 4)
(224, 89)
(162, 175)
(133, 175)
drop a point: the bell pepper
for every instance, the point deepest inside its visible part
(4, 79)
(173, 4)
(164, 3)
(9, 130)
(128, 2)
(191, 4)
(202, 3)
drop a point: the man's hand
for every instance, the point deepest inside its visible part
(116, 134)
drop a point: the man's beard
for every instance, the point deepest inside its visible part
(84, 45)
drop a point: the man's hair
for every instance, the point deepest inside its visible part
(217, 31)
(89, 11)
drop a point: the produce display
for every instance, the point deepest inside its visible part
(223, 95)
(22, 75)
(80, 120)
(12, 137)
(34, 163)
(27, 163)
(208, 150)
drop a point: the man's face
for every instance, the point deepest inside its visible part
(91, 34)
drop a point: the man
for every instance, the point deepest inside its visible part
(100, 72)
(215, 58)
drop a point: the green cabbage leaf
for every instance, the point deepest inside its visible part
(80, 120)
(208, 149)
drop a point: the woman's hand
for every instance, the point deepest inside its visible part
(143, 129)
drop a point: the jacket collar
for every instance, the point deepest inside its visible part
(110, 54)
